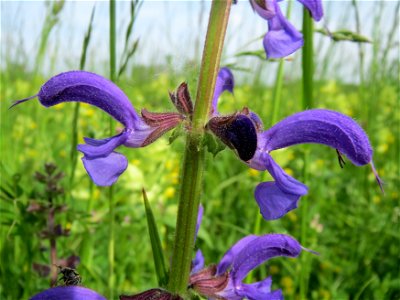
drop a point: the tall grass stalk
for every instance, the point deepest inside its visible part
(194, 156)
(74, 154)
(113, 77)
(307, 103)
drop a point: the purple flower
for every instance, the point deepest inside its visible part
(244, 134)
(102, 163)
(225, 82)
(68, 293)
(225, 281)
(282, 39)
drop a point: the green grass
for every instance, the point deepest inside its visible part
(353, 226)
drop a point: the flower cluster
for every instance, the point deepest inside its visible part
(282, 38)
(243, 132)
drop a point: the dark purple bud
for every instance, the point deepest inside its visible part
(238, 132)
(153, 294)
(181, 100)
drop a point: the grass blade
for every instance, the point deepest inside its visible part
(159, 263)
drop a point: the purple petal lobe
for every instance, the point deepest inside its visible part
(197, 262)
(259, 251)
(264, 8)
(273, 202)
(323, 127)
(260, 291)
(101, 148)
(68, 293)
(199, 218)
(282, 39)
(278, 197)
(285, 182)
(315, 8)
(227, 260)
(225, 82)
(93, 89)
(104, 171)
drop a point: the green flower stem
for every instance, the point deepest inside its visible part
(218, 22)
(307, 103)
(113, 77)
(194, 157)
(308, 60)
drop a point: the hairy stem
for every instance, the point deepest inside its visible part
(307, 103)
(193, 162)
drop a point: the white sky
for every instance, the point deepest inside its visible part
(165, 28)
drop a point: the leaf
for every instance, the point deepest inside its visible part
(158, 255)
(213, 144)
(257, 53)
(344, 35)
(177, 132)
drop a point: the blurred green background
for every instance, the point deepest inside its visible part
(353, 226)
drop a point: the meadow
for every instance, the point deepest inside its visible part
(345, 217)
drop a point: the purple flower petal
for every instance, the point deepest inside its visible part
(282, 39)
(225, 82)
(227, 260)
(260, 291)
(197, 262)
(199, 219)
(264, 8)
(273, 202)
(101, 148)
(93, 89)
(323, 127)
(104, 171)
(68, 293)
(315, 8)
(260, 250)
(278, 197)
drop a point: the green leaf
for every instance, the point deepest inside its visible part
(158, 255)
(177, 132)
(213, 144)
(257, 53)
